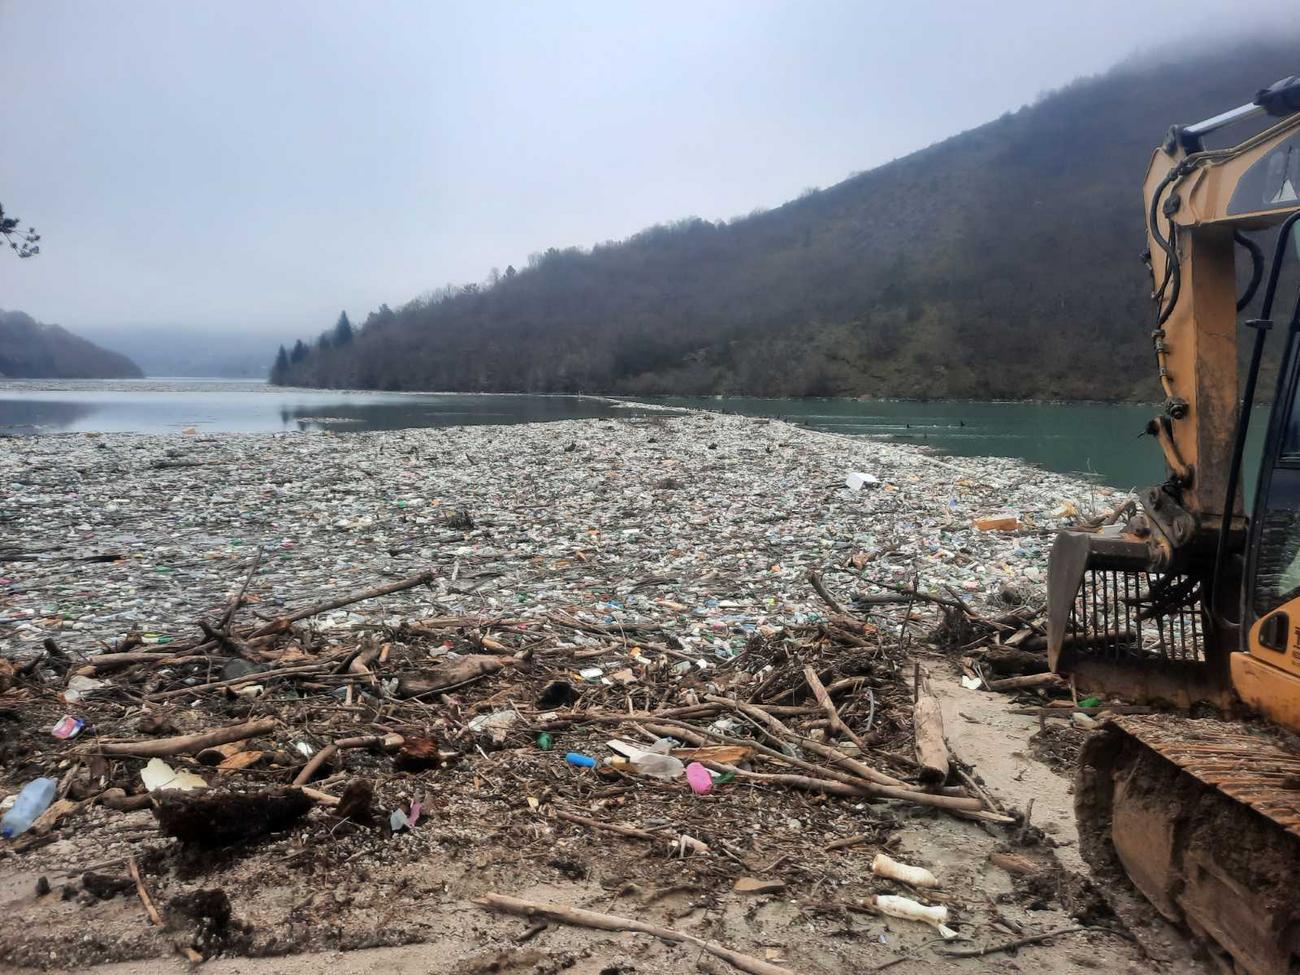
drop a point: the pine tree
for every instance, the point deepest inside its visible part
(299, 352)
(343, 330)
(280, 370)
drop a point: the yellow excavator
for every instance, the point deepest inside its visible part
(1181, 602)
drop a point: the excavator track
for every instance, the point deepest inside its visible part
(1203, 817)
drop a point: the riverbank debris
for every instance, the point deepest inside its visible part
(401, 665)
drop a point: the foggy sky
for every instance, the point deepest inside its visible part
(262, 165)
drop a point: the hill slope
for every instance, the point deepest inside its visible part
(32, 350)
(1002, 262)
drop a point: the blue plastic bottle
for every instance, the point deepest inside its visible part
(32, 801)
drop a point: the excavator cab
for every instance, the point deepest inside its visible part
(1266, 674)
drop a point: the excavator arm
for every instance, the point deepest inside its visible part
(1149, 609)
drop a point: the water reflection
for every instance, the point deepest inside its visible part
(26, 417)
(255, 408)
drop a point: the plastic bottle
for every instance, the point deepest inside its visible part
(34, 799)
(580, 760)
(659, 766)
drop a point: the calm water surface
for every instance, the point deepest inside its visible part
(221, 406)
(1101, 440)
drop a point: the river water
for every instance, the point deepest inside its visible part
(1102, 440)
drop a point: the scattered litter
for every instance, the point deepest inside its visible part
(701, 782)
(496, 725)
(68, 727)
(346, 598)
(935, 915)
(857, 480)
(886, 866)
(81, 687)
(998, 523)
(33, 800)
(158, 776)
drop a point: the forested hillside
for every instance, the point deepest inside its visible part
(32, 350)
(1003, 262)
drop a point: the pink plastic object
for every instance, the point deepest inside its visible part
(699, 778)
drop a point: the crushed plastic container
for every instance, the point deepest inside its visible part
(33, 800)
(857, 480)
(700, 780)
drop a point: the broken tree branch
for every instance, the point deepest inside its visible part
(815, 578)
(282, 623)
(1032, 939)
(611, 922)
(180, 745)
(927, 730)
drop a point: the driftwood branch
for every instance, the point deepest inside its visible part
(329, 751)
(611, 922)
(235, 603)
(815, 578)
(282, 623)
(927, 730)
(183, 744)
(1032, 939)
(154, 917)
(832, 713)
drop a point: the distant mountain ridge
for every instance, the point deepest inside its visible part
(232, 352)
(1000, 263)
(32, 350)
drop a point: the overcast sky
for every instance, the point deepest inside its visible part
(265, 164)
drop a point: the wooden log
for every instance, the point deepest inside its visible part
(927, 731)
(1028, 680)
(183, 744)
(1009, 662)
(444, 677)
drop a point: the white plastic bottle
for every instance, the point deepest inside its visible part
(34, 799)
